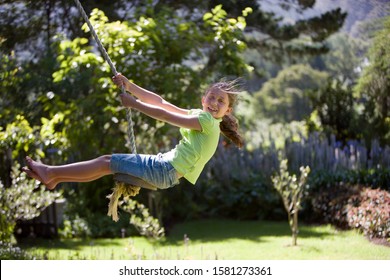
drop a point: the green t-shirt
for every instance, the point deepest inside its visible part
(196, 147)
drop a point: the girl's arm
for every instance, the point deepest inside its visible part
(162, 114)
(147, 96)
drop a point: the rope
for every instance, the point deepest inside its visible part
(120, 188)
(113, 69)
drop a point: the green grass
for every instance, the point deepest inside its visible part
(223, 240)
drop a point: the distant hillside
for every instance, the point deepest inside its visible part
(359, 11)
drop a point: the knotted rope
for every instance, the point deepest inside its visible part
(120, 188)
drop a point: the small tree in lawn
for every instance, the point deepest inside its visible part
(291, 190)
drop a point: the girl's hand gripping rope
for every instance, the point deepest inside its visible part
(120, 81)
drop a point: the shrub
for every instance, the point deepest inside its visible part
(329, 204)
(10, 252)
(23, 201)
(75, 227)
(369, 211)
(142, 220)
(355, 206)
(374, 177)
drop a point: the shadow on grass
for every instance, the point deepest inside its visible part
(220, 230)
(68, 244)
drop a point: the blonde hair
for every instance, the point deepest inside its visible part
(229, 124)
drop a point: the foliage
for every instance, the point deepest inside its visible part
(329, 203)
(336, 109)
(264, 134)
(74, 228)
(140, 217)
(101, 225)
(10, 252)
(227, 33)
(374, 86)
(20, 138)
(291, 191)
(369, 211)
(322, 179)
(23, 201)
(10, 84)
(345, 57)
(277, 40)
(285, 98)
(355, 206)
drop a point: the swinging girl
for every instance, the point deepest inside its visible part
(200, 130)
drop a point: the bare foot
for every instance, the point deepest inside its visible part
(40, 171)
(35, 176)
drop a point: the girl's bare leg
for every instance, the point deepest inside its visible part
(55, 182)
(75, 172)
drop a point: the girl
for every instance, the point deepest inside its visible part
(200, 131)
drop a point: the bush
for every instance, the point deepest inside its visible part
(329, 204)
(142, 220)
(25, 200)
(75, 227)
(369, 211)
(374, 177)
(10, 252)
(355, 206)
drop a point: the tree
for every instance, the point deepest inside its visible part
(285, 98)
(267, 32)
(335, 106)
(291, 191)
(373, 86)
(281, 41)
(344, 58)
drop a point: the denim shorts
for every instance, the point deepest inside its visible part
(154, 169)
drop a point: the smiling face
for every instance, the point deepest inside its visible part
(216, 102)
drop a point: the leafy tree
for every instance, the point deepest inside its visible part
(9, 87)
(30, 26)
(344, 58)
(337, 111)
(280, 41)
(285, 98)
(374, 86)
(267, 32)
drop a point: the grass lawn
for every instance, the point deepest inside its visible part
(222, 240)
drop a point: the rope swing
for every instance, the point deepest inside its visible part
(125, 184)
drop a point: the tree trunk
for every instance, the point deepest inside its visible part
(295, 228)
